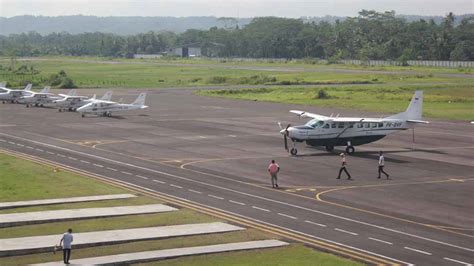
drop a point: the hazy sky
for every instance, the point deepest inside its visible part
(229, 8)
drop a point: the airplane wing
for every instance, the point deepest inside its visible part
(311, 115)
(355, 119)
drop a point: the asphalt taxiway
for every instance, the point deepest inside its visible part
(214, 152)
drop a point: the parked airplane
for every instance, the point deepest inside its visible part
(38, 98)
(105, 108)
(71, 101)
(9, 95)
(332, 131)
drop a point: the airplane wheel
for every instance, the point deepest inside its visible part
(36, 104)
(69, 109)
(27, 106)
(329, 148)
(82, 115)
(294, 151)
(59, 110)
(74, 109)
(41, 105)
(350, 149)
(109, 114)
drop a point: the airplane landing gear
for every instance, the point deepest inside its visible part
(329, 148)
(83, 115)
(293, 151)
(350, 149)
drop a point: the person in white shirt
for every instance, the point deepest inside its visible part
(66, 243)
(343, 167)
(381, 165)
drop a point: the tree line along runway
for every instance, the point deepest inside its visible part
(214, 153)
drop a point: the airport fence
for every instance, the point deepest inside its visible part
(427, 63)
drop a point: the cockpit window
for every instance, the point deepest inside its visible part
(315, 123)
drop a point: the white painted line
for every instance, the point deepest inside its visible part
(265, 210)
(382, 241)
(98, 165)
(112, 169)
(288, 216)
(195, 191)
(72, 158)
(60, 155)
(29, 147)
(82, 161)
(48, 152)
(40, 150)
(216, 197)
(140, 176)
(257, 197)
(127, 173)
(347, 232)
(419, 251)
(310, 222)
(2, 140)
(21, 145)
(11, 142)
(176, 186)
(158, 181)
(236, 202)
(458, 261)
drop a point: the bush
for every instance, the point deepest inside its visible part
(217, 80)
(61, 80)
(322, 94)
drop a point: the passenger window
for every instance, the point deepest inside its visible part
(360, 125)
(340, 125)
(367, 125)
(326, 126)
(380, 124)
(351, 125)
(374, 125)
(333, 125)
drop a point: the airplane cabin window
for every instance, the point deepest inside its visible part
(340, 125)
(380, 124)
(367, 125)
(326, 126)
(360, 125)
(351, 125)
(373, 125)
(333, 125)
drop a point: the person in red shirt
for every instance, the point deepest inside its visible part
(343, 167)
(273, 169)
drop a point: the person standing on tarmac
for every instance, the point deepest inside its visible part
(343, 167)
(273, 169)
(381, 165)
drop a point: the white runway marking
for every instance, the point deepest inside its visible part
(72, 158)
(40, 150)
(60, 155)
(11, 142)
(112, 169)
(318, 224)
(261, 209)
(98, 165)
(158, 181)
(127, 173)
(82, 161)
(288, 216)
(2, 140)
(382, 241)
(48, 152)
(176, 186)
(458, 261)
(21, 145)
(140, 176)
(29, 147)
(216, 197)
(236, 202)
(419, 251)
(347, 232)
(195, 191)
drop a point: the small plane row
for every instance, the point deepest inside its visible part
(70, 101)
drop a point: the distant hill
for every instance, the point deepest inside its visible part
(133, 25)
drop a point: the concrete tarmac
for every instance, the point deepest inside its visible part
(215, 152)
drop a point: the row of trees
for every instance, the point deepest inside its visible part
(371, 35)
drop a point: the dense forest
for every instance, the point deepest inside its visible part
(371, 35)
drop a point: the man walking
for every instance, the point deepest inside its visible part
(66, 242)
(381, 165)
(273, 169)
(343, 167)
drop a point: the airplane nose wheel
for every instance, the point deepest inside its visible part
(350, 149)
(293, 151)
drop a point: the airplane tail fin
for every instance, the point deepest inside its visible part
(140, 99)
(28, 87)
(414, 111)
(72, 92)
(45, 89)
(93, 97)
(107, 96)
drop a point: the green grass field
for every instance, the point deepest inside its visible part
(24, 180)
(454, 102)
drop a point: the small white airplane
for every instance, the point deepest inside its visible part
(332, 131)
(71, 101)
(105, 108)
(38, 98)
(9, 95)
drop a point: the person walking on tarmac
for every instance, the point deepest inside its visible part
(381, 165)
(343, 167)
(273, 169)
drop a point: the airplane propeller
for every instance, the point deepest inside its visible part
(285, 133)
